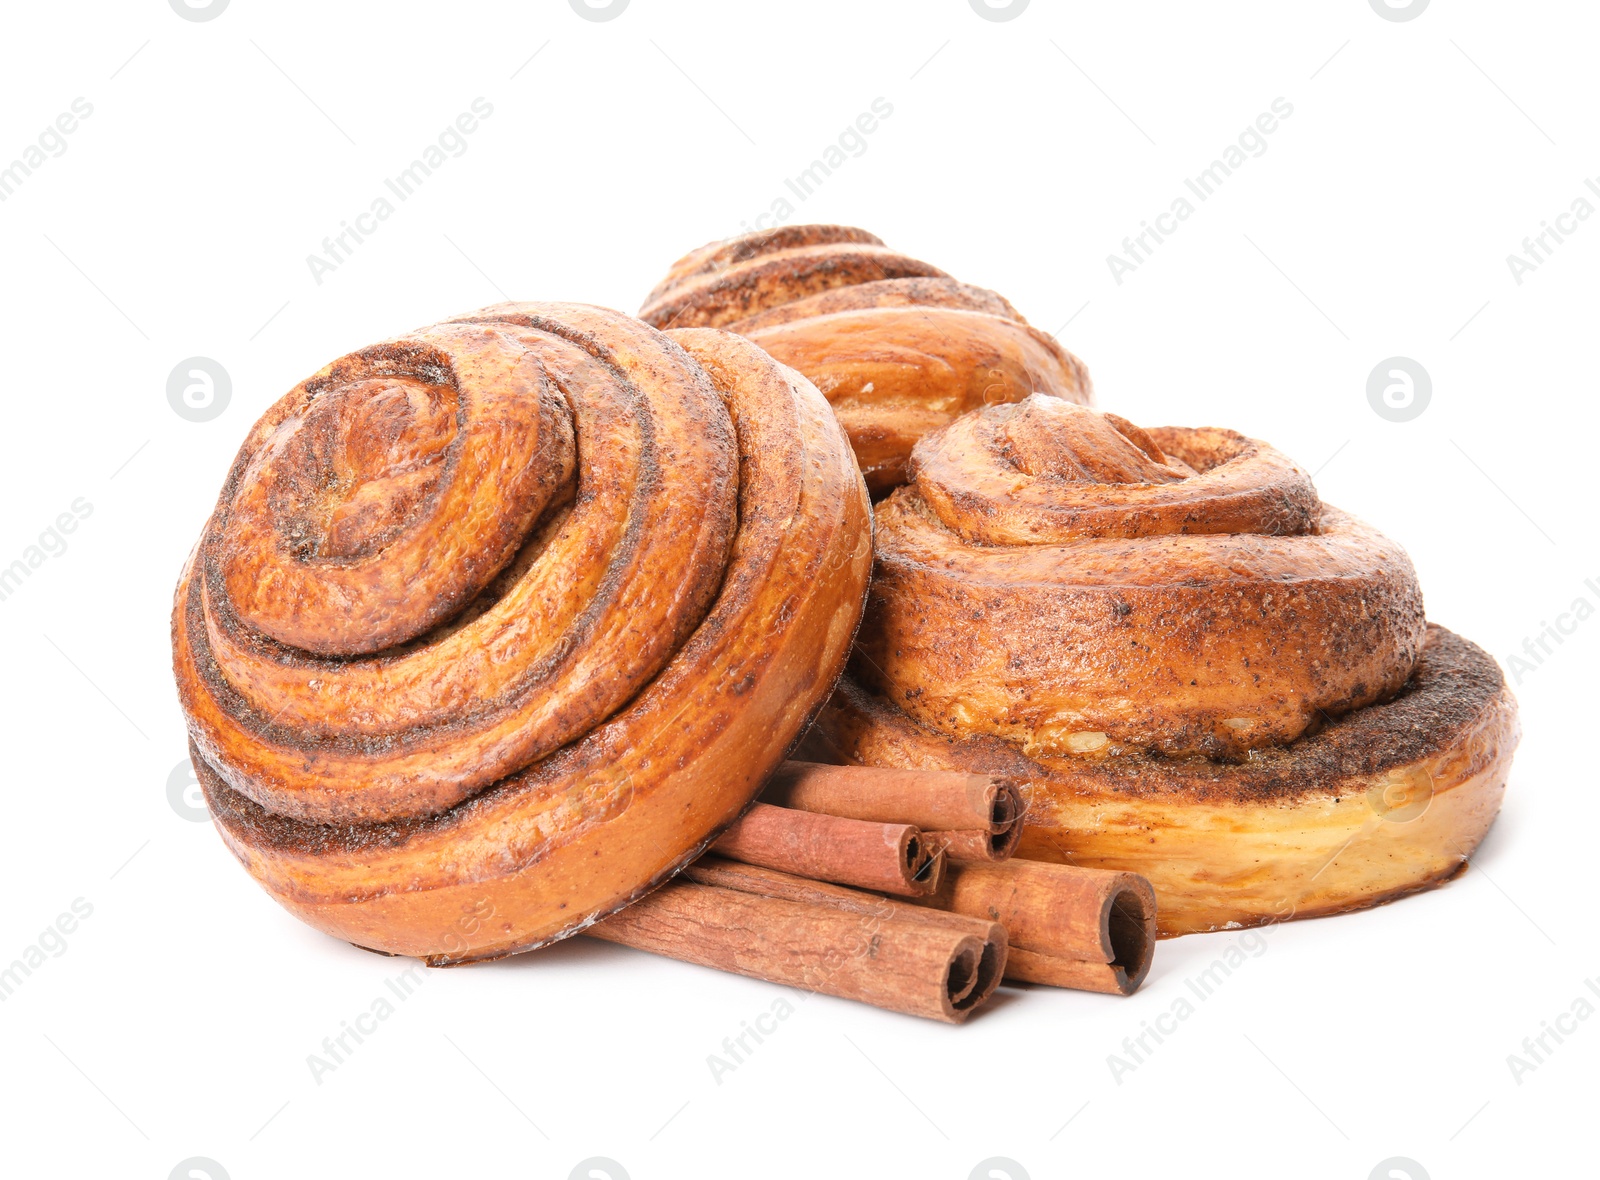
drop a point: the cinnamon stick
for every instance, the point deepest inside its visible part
(1092, 929)
(975, 843)
(904, 964)
(890, 858)
(935, 800)
(727, 874)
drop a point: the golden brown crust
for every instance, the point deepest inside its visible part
(1382, 802)
(715, 258)
(592, 608)
(719, 298)
(1454, 686)
(1048, 472)
(918, 292)
(1201, 669)
(665, 663)
(896, 345)
(1215, 612)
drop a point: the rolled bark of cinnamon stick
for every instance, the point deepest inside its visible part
(1092, 929)
(903, 964)
(968, 816)
(890, 858)
(1052, 971)
(976, 844)
(934, 800)
(727, 874)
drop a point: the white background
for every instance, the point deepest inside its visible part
(220, 153)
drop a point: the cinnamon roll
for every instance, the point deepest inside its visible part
(1204, 674)
(898, 346)
(496, 624)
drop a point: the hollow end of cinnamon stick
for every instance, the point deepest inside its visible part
(1130, 926)
(975, 971)
(1128, 923)
(969, 984)
(1006, 805)
(1092, 929)
(904, 964)
(977, 844)
(925, 863)
(890, 858)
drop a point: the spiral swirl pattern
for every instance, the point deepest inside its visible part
(1185, 596)
(476, 604)
(1182, 649)
(897, 346)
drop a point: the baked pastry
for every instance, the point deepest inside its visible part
(1203, 673)
(498, 623)
(898, 346)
